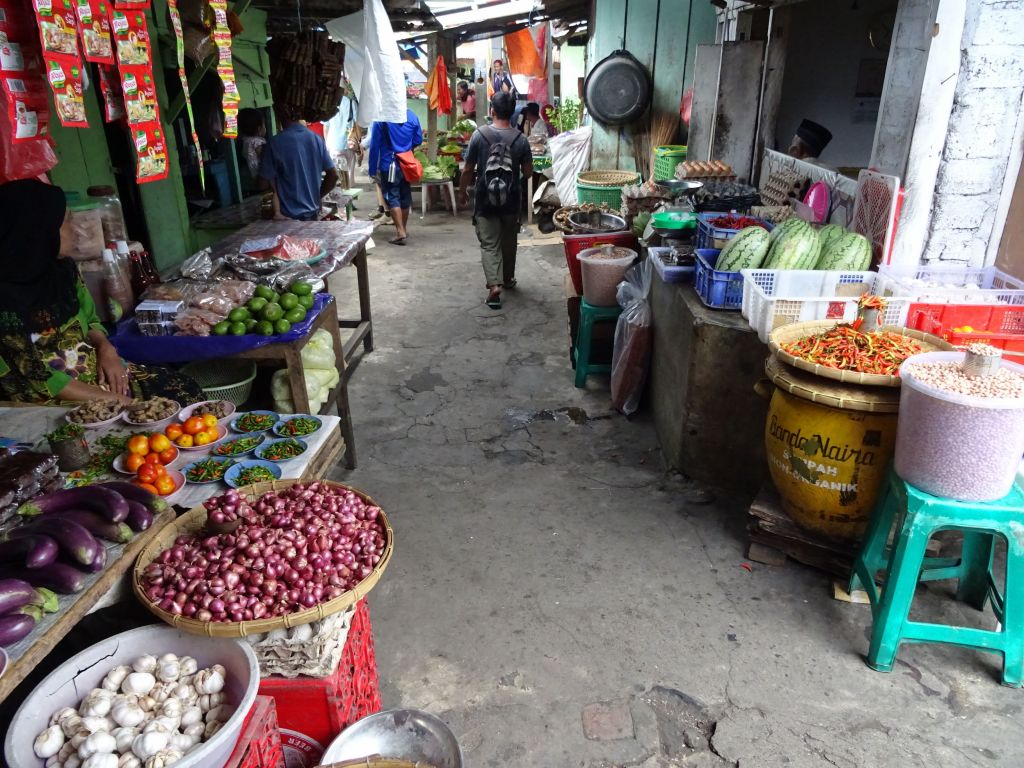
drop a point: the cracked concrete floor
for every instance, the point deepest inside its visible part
(545, 563)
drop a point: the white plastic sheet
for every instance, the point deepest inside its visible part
(373, 63)
(570, 156)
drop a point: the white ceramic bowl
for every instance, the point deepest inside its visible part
(93, 424)
(185, 412)
(64, 688)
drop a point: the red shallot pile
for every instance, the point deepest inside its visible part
(295, 548)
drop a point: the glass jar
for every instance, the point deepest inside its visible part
(110, 212)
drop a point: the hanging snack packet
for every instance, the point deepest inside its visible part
(151, 150)
(94, 26)
(113, 98)
(225, 67)
(66, 83)
(27, 109)
(129, 5)
(58, 29)
(172, 9)
(131, 38)
(139, 96)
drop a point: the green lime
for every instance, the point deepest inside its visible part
(272, 312)
(221, 328)
(250, 325)
(301, 289)
(265, 328)
(238, 329)
(282, 326)
(256, 303)
(306, 301)
(289, 301)
(239, 315)
(296, 315)
(264, 292)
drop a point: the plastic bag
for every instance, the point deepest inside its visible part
(319, 351)
(631, 355)
(570, 156)
(316, 389)
(24, 159)
(199, 266)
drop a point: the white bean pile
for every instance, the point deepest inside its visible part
(949, 377)
(953, 446)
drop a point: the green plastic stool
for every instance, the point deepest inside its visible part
(589, 314)
(917, 515)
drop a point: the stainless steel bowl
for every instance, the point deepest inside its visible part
(401, 734)
(680, 187)
(595, 222)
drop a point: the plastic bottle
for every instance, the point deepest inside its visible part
(116, 293)
(111, 213)
(124, 263)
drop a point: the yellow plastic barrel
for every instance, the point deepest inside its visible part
(828, 446)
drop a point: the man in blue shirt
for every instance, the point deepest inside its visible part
(385, 140)
(299, 169)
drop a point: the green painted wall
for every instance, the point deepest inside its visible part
(663, 35)
(84, 157)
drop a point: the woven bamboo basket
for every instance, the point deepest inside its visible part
(832, 393)
(796, 331)
(195, 519)
(608, 178)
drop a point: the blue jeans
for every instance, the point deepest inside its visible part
(397, 194)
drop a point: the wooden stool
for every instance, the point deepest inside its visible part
(589, 314)
(917, 515)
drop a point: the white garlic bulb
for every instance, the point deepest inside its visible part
(145, 663)
(191, 716)
(180, 742)
(71, 724)
(208, 681)
(148, 743)
(221, 712)
(124, 736)
(98, 742)
(129, 760)
(168, 670)
(139, 683)
(164, 758)
(194, 731)
(49, 742)
(100, 760)
(61, 714)
(97, 703)
(114, 678)
(211, 728)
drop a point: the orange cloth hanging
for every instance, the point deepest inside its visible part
(523, 58)
(439, 94)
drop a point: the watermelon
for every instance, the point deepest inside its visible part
(849, 252)
(828, 233)
(746, 250)
(796, 248)
(784, 227)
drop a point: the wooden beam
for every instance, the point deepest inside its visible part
(431, 114)
(408, 57)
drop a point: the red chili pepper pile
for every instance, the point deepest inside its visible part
(847, 349)
(736, 222)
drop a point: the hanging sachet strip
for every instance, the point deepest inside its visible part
(225, 68)
(172, 7)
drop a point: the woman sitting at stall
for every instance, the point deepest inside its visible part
(53, 347)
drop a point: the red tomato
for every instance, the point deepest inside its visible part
(168, 455)
(147, 473)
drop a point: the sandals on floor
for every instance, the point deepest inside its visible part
(511, 284)
(493, 300)
(397, 241)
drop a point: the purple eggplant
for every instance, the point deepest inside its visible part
(139, 516)
(98, 525)
(70, 536)
(14, 593)
(98, 562)
(60, 577)
(15, 626)
(130, 492)
(100, 499)
(34, 551)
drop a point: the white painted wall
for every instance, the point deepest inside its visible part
(573, 66)
(826, 41)
(981, 154)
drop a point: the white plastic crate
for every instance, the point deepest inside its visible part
(950, 284)
(776, 297)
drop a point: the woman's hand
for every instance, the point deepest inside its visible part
(111, 372)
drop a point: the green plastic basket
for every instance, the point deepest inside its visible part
(604, 186)
(666, 158)
(223, 379)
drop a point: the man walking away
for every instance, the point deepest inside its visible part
(498, 158)
(385, 140)
(299, 169)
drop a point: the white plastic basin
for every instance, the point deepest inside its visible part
(66, 686)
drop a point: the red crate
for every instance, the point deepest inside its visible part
(313, 710)
(573, 244)
(259, 744)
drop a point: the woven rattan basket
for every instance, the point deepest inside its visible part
(194, 520)
(608, 178)
(815, 389)
(796, 331)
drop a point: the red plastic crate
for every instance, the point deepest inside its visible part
(1001, 325)
(311, 711)
(573, 244)
(259, 744)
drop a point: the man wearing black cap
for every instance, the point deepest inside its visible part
(810, 141)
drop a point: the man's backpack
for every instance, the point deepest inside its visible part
(499, 176)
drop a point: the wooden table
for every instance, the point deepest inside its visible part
(27, 653)
(344, 243)
(290, 353)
